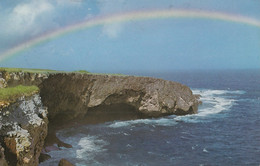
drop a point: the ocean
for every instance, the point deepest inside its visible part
(226, 130)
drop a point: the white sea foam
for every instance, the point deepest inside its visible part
(90, 146)
(205, 150)
(153, 122)
(213, 102)
(209, 92)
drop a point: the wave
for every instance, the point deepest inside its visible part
(213, 102)
(158, 122)
(90, 146)
(84, 150)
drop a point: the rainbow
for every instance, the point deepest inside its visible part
(125, 17)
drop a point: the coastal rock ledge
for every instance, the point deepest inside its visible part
(70, 96)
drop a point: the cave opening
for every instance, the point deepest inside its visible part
(118, 111)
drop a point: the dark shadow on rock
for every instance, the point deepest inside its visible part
(105, 113)
(43, 157)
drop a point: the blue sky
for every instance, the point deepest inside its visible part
(149, 45)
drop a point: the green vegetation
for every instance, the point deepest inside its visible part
(87, 72)
(81, 71)
(45, 71)
(39, 70)
(11, 93)
(118, 74)
(109, 74)
(28, 70)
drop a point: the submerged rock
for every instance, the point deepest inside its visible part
(43, 157)
(64, 162)
(23, 128)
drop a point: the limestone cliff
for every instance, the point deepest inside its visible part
(87, 97)
(78, 95)
(23, 128)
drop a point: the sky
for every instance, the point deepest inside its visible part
(149, 45)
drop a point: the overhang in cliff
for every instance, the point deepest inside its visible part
(81, 95)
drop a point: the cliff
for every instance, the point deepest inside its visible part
(87, 98)
(81, 95)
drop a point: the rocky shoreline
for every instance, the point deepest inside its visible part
(26, 125)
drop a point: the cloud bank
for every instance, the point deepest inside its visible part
(23, 20)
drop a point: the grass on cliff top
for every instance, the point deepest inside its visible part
(12, 93)
(28, 70)
(54, 71)
(39, 70)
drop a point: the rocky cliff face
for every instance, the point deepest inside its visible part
(77, 95)
(91, 98)
(23, 128)
(21, 78)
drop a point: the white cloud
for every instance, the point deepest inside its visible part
(108, 7)
(112, 30)
(23, 18)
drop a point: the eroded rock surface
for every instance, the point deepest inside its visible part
(21, 78)
(23, 128)
(74, 95)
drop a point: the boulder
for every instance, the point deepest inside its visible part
(64, 162)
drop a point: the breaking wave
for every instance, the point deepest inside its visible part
(213, 102)
(89, 147)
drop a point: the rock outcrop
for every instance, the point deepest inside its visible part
(69, 96)
(21, 78)
(23, 128)
(3, 83)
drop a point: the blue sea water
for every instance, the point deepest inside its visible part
(226, 130)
